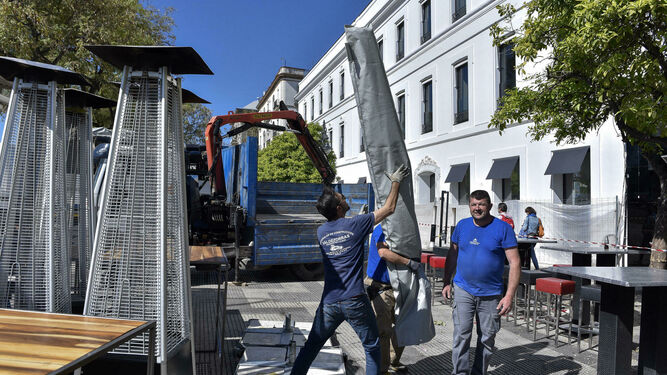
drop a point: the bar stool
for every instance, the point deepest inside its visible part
(436, 263)
(425, 257)
(527, 279)
(588, 293)
(559, 288)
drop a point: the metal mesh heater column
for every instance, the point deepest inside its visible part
(79, 183)
(34, 261)
(140, 264)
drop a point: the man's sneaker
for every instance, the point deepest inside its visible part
(398, 367)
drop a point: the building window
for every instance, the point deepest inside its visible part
(577, 186)
(427, 107)
(312, 108)
(305, 111)
(400, 105)
(426, 20)
(381, 49)
(341, 144)
(459, 9)
(321, 100)
(425, 188)
(506, 69)
(510, 186)
(461, 113)
(330, 134)
(361, 140)
(400, 41)
(464, 189)
(330, 93)
(342, 85)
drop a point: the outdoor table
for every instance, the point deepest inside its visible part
(616, 317)
(215, 257)
(583, 257)
(48, 343)
(524, 248)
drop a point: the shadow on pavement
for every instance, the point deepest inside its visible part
(518, 360)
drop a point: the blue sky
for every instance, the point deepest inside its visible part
(245, 42)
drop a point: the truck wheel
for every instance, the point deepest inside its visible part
(308, 271)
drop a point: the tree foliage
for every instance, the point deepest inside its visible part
(195, 118)
(597, 59)
(56, 32)
(284, 159)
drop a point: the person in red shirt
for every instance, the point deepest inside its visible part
(502, 210)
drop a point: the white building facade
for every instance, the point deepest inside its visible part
(447, 76)
(283, 87)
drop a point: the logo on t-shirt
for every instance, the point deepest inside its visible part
(330, 242)
(474, 242)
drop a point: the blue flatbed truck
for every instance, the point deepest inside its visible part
(264, 223)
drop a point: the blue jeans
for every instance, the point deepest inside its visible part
(358, 312)
(533, 256)
(483, 309)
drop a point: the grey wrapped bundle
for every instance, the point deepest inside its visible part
(385, 151)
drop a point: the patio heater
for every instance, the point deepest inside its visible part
(81, 216)
(140, 264)
(34, 261)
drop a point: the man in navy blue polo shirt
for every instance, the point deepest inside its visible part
(344, 297)
(478, 250)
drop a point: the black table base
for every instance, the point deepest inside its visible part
(653, 332)
(616, 317)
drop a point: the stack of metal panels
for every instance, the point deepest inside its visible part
(271, 348)
(139, 267)
(34, 257)
(79, 176)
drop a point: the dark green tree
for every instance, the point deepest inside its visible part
(598, 60)
(55, 32)
(284, 160)
(195, 118)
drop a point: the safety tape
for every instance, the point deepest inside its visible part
(604, 244)
(585, 242)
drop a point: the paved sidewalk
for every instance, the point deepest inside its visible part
(270, 295)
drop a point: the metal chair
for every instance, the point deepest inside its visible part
(590, 293)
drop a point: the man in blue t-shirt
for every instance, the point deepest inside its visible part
(341, 242)
(381, 295)
(478, 250)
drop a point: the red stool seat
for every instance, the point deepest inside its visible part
(437, 261)
(553, 285)
(426, 257)
(562, 265)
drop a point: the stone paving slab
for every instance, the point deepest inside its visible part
(272, 296)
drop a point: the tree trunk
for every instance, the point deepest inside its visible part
(659, 258)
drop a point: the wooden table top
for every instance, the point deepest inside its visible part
(39, 343)
(207, 255)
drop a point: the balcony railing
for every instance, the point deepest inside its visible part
(426, 35)
(458, 13)
(460, 117)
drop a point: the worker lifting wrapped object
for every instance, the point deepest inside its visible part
(139, 269)
(34, 257)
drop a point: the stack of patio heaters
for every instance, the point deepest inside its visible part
(139, 267)
(34, 253)
(79, 183)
